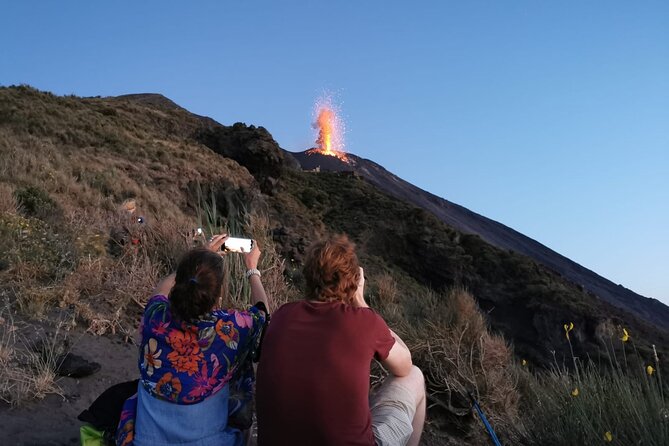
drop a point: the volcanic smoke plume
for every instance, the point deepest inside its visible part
(330, 126)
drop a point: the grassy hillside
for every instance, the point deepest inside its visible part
(71, 252)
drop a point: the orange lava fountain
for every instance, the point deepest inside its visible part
(330, 126)
(325, 124)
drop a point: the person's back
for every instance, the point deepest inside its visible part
(316, 361)
(313, 376)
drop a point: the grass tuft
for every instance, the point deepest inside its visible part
(8, 203)
(26, 372)
(579, 406)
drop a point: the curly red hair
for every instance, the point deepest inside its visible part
(331, 270)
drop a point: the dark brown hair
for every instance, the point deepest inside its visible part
(331, 270)
(198, 284)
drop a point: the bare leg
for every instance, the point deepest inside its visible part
(416, 382)
(414, 385)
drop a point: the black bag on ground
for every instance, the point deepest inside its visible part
(105, 412)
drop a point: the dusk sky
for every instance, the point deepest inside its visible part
(549, 117)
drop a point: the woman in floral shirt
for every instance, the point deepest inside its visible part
(188, 353)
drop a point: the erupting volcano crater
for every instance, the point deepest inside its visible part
(331, 129)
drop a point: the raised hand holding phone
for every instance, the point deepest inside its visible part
(216, 242)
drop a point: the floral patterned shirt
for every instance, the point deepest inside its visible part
(185, 362)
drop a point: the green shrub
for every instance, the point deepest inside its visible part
(36, 202)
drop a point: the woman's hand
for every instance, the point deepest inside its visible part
(216, 242)
(359, 296)
(251, 258)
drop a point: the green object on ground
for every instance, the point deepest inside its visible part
(90, 436)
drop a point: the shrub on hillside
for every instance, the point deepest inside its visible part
(35, 245)
(450, 341)
(35, 202)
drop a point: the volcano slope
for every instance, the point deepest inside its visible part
(492, 232)
(68, 163)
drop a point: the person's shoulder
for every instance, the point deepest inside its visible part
(155, 304)
(360, 316)
(367, 317)
(157, 298)
(363, 312)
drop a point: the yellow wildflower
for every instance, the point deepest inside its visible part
(523, 362)
(608, 437)
(574, 392)
(567, 328)
(650, 370)
(626, 335)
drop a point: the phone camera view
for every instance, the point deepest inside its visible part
(234, 244)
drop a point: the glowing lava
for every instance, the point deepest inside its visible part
(330, 126)
(325, 124)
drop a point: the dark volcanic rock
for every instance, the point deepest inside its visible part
(252, 147)
(76, 366)
(312, 160)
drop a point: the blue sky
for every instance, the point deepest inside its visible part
(550, 117)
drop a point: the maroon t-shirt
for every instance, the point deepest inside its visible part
(313, 376)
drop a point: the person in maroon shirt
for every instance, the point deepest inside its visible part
(312, 383)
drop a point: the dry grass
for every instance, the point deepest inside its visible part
(107, 295)
(387, 288)
(386, 297)
(450, 341)
(31, 299)
(272, 265)
(82, 159)
(8, 202)
(26, 372)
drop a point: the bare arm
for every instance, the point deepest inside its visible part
(399, 359)
(165, 285)
(162, 289)
(257, 289)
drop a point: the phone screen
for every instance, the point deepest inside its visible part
(234, 244)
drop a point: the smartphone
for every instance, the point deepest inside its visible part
(234, 244)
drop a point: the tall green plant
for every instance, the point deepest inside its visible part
(620, 404)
